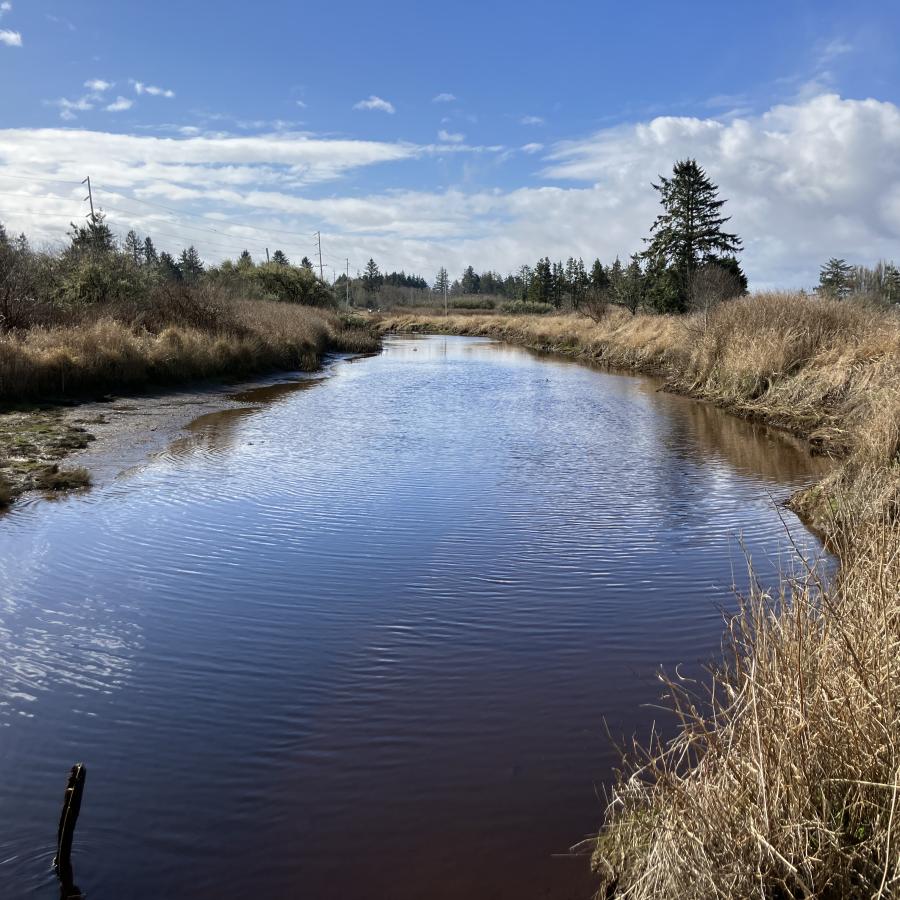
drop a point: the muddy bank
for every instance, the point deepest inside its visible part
(61, 448)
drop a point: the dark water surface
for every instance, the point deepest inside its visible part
(360, 641)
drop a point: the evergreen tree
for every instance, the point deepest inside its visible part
(631, 294)
(306, 263)
(168, 267)
(471, 283)
(190, 265)
(134, 248)
(441, 282)
(95, 237)
(151, 258)
(599, 276)
(372, 278)
(834, 278)
(245, 261)
(689, 233)
(891, 283)
(280, 259)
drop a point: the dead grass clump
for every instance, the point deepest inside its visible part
(783, 779)
(53, 478)
(6, 492)
(227, 338)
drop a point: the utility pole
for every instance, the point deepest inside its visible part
(90, 197)
(348, 282)
(267, 255)
(321, 268)
(445, 296)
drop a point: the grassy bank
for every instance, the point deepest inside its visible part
(784, 777)
(104, 350)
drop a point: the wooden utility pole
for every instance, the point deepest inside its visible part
(321, 267)
(348, 282)
(90, 197)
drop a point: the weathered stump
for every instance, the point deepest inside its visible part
(66, 832)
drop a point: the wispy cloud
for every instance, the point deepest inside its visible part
(531, 120)
(141, 88)
(376, 103)
(451, 137)
(10, 38)
(532, 148)
(444, 98)
(5, 7)
(98, 85)
(301, 104)
(68, 108)
(120, 104)
(57, 20)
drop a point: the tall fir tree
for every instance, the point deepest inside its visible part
(280, 258)
(134, 247)
(190, 265)
(372, 278)
(151, 257)
(689, 232)
(834, 278)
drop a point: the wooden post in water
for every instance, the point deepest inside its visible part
(66, 831)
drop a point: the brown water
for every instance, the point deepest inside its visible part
(360, 639)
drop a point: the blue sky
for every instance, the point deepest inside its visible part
(482, 133)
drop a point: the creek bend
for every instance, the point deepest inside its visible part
(363, 638)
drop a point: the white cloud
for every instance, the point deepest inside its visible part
(152, 90)
(804, 181)
(376, 103)
(98, 85)
(532, 148)
(531, 120)
(68, 108)
(443, 98)
(301, 104)
(5, 7)
(120, 105)
(10, 38)
(451, 137)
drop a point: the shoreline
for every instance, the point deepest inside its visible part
(98, 439)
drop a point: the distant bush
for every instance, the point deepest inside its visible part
(472, 302)
(292, 284)
(525, 307)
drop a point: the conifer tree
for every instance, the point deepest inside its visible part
(306, 263)
(834, 278)
(151, 258)
(168, 267)
(133, 248)
(190, 265)
(689, 232)
(441, 282)
(372, 278)
(279, 258)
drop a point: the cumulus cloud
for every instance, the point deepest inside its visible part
(450, 137)
(443, 98)
(376, 103)
(804, 181)
(120, 104)
(152, 90)
(10, 38)
(98, 85)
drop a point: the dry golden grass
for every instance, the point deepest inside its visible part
(108, 353)
(784, 777)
